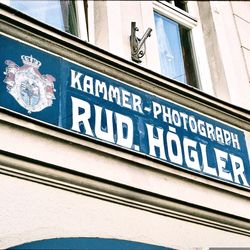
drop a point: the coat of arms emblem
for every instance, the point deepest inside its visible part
(32, 91)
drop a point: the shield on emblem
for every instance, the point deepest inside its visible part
(31, 90)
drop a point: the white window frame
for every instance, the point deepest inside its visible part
(81, 20)
(176, 14)
(91, 22)
(190, 20)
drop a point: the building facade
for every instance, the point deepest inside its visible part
(124, 124)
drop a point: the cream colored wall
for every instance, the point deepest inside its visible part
(241, 12)
(227, 35)
(31, 211)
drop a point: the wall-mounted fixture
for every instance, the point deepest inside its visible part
(137, 51)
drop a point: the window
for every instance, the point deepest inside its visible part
(66, 15)
(174, 45)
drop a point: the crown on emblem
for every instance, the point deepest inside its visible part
(31, 61)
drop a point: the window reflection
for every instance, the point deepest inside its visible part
(59, 14)
(174, 45)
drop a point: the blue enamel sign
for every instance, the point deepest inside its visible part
(51, 89)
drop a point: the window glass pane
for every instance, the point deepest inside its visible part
(188, 58)
(175, 50)
(59, 14)
(170, 48)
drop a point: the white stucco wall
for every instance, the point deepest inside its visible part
(241, 11)
(225, 24)
(31, 211)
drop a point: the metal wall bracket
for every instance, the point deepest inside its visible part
(136, 43)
